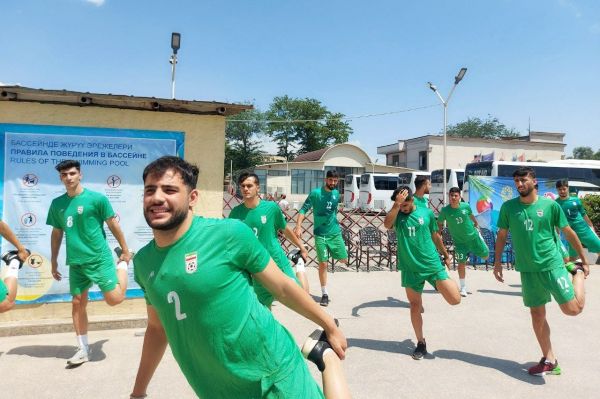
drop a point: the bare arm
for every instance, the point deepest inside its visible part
(115, 229)
(291, 295)
(390, 218)
(55, 241)
(9, 301)
(588, 221)
(500, 242)
(298, 228)
(575, 243)
(290, 235)
(439, 244)
(474, 220)
(8, 234)
(155, 344)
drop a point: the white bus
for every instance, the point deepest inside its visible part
(351, 191)
(582, 174)
(376, 191)
(408, 178)
(455, 178)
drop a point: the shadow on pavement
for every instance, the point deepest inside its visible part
(508, 367)
(515, 285)
(511, 293)
(405, 347)
(59, 352)
(384, 303)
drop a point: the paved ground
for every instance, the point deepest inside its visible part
(479, 348)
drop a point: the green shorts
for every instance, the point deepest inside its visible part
(538, 286)
(264, 296)
(416, 281)
(332, 245)
(588, 239)
(476, 247)
(102, 273)
(297, 384)
(3, 291)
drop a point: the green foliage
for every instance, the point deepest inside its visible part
(242, 140)
(592, 207)
(585, 153)
(314, 126)
(490, 128)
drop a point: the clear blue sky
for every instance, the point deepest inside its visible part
(537, 59)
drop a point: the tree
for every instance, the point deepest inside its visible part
(490, 128)
(304, 125)
(584, 153)
(242, 145)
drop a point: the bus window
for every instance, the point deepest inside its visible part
(364, 179)
(404, 179)
(460, 178)
(436, 176)
(480, 169)
(385, 182)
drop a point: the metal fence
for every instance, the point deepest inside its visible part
(370, 245)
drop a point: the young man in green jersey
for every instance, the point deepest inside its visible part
(578, 220)
(197, 279)
(326, 229)
(464, 229)
(422, 187)
(80, 214)
(418, 260)
(266, 219)
(14, 260)
(532, 221)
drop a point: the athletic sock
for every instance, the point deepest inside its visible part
(83, 341)
(324, 290)
(300, 268)
(462, 283)
(122, 265)
(12, 269)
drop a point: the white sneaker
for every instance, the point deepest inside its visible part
(463, 291)
(82, 356)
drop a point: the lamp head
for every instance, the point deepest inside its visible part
(175, 41)
(461, 74)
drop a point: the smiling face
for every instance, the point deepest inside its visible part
(167, 200)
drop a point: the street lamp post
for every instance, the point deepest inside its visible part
(457, 79)
(175, 45)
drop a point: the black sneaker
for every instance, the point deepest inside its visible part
(315, 346)
(325, 300)
(420, 350)
(9, 256)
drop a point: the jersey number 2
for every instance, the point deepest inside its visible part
(173, 297)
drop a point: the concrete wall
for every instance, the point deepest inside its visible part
(204, 136)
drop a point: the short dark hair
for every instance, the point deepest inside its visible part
(420, 180)
(187, 171)
(523, 171)
(454, 190)
(246, 175)
(68, 164)
(402, 188)
(332, 173)
(562, 183)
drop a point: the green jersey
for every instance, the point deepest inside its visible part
(325, 204)
(226, 343)
(459, 223)
(421, 202)
(82, 220)
(416, 250)
(574, 211)
(533, 231)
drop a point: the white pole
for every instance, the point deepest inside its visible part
(173, 62)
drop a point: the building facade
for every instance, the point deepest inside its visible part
(426, 152)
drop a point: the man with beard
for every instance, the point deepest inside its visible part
(265, 218)
(418, 260)
(197, 279)
(328, 235)
(422, 187)
(532, 221)
(80, 214)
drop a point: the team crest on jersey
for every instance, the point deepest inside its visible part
(540, 212)
(464, 211)
(263, 219)
(421, 221)
(80, 209)
(574, 203)
(191, 262)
